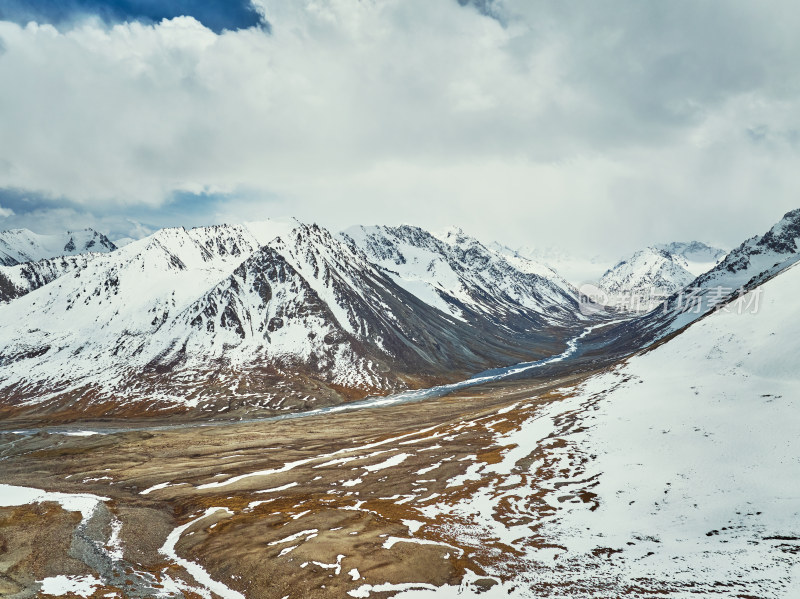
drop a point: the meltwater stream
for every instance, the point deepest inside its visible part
(489, 376)
(411, 396)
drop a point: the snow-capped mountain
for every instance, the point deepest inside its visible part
(75, 333)
(458, 275)
(642, 281)
(21, 245)
(29, 260)
(274, 314)
(744, 268)
(697, 256)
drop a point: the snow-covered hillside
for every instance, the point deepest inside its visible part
(23, 278)
(674, 474)
(21, 245)
(81, 329)
(235, 314)
(686, 458)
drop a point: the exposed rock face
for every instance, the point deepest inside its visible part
(28, 276)
(461, 276)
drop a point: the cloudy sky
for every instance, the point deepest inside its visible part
(596, 126)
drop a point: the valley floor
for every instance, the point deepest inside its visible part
(518, 489)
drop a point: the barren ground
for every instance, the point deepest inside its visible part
(310, 507)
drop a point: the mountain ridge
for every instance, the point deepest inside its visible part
(220, 318)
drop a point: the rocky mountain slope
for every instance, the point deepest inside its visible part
(460, 276)
(20, 279)
(269, 316)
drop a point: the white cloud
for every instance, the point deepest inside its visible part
(6, 212)
(598, 125)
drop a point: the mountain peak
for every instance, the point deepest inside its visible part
(783, 237)
(695, 256)
(452, 234)
(649, 274)
(680, 247)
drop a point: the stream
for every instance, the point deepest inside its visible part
(411, 396)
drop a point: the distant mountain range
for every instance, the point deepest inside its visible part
(637, 283)
(18, 246)
(269, 316)
(696, 257)
(281, 315)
